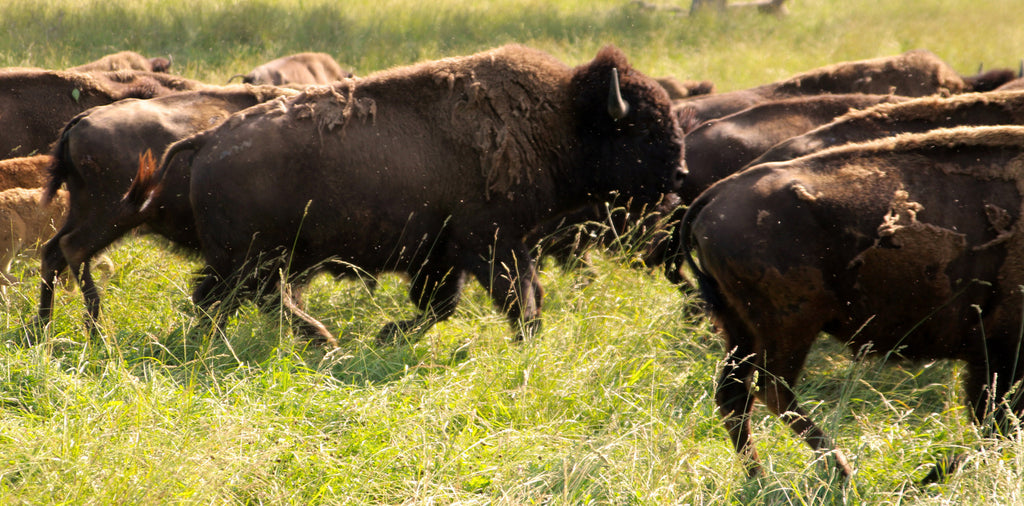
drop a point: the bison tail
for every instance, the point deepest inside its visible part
(61, 167)
(680, 249)
(144, 185)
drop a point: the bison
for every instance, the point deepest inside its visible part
(26, 172)
(437, 170)
(297, 69)
(917, 115)
(125, 60)
(721, 146)
(906, 245)
(24, 222)
(913, 73)
(96, 158)
(37, 103)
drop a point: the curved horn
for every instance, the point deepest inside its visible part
(617, 107)
(1020, 70)
(236, 75)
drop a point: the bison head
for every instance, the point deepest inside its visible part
(631, 143)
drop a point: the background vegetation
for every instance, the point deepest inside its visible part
(610, 404)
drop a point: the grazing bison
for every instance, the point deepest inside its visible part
(36, 104)
(722, 146)
(914, 73)
(96, 157)
(296, 69)
(917, 115)
(125, 60)
(909, 245)
(437, 170)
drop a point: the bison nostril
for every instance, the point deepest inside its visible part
(678, 177)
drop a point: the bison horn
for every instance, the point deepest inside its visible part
(617, 107)
(1020, 70)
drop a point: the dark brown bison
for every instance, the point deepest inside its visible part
(297, 69)
(989, 80)
(36, 104)
(437, 170)
(125, 60)
(907, 245)
(722, 146)
(917, 115)
(914, 73)
(96, 158)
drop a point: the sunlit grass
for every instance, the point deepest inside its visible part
(611, 404)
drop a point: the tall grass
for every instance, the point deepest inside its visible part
(610, 404)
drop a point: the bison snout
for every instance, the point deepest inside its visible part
(678, 176)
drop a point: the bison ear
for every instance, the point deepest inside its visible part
(617, 107)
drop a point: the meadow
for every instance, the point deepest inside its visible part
(612, 403)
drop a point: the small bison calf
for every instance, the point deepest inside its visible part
(25, 221)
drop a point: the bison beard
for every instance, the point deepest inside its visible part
(437, 170)
(909, 245)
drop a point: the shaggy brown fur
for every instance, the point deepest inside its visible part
(911, 245)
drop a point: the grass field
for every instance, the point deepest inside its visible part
(610, 404)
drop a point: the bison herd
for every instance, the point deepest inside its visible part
(878, 201)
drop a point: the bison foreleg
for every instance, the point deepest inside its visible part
(511, 280)
(435, 290)
(51, 266)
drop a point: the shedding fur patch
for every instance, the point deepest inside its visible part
(904, 243)
(1002, 222)
(803, 193)
(334, 106)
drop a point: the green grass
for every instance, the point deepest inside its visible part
(610, 404)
